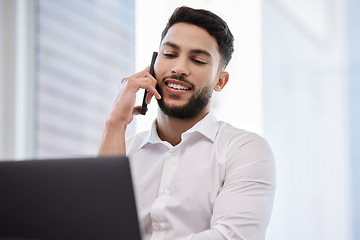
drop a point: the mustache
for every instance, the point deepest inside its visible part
(179, 78)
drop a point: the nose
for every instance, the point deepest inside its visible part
(180, 67)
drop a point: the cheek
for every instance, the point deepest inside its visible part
(207, 77)
(160, 69)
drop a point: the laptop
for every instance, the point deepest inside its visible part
(79, 198)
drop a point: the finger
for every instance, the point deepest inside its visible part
(137, 110)
(153, 92)
(144, 83)
(142, 73)
(149, 97)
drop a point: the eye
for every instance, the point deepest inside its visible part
(169, 55)
(200, 62)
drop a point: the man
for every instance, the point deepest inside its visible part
(194, 177)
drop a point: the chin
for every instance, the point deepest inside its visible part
(174, 103)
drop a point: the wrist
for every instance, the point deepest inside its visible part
(116, 124)
(113, 142)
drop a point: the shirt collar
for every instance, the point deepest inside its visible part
(152, 136)
(208, 126)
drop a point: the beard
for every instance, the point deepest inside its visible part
(191, 109)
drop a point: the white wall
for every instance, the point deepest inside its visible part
(7, 76)
(24, 128)
(16, 78)
(306, 116)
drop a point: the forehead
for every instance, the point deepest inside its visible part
(188, 37)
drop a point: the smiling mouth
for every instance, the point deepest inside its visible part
(177, 86)
(178, 83)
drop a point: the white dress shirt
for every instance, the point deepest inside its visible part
(218, 183)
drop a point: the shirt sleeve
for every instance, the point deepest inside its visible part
(243, 207)
(212, 234)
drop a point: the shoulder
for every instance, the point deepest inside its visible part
(237, 137)
(243, 146)
(248, 156)
(138, 136)
(136, 141)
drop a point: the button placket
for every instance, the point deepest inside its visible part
(164, 191)
(172, 152)
(160, 204)
(157, 226)
(169, 169)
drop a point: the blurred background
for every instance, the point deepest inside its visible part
(294, 79)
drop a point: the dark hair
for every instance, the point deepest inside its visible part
(209, 21)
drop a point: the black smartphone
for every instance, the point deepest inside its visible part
(151, 71)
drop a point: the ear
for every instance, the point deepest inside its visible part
(222, 79)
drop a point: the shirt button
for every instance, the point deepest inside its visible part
(172, 152)
(156, 226)
(164, 191)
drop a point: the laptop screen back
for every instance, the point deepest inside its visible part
(87, 198)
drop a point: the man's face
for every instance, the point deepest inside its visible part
(187, 70)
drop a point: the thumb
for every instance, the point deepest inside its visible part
(137, 110)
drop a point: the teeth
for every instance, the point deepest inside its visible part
(177, 86)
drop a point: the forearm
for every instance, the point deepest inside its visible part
(113, 142)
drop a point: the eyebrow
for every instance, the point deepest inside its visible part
(197, 51)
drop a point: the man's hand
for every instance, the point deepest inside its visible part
(113, 142)
(123, 107)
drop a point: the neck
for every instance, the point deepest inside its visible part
(170, 129)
